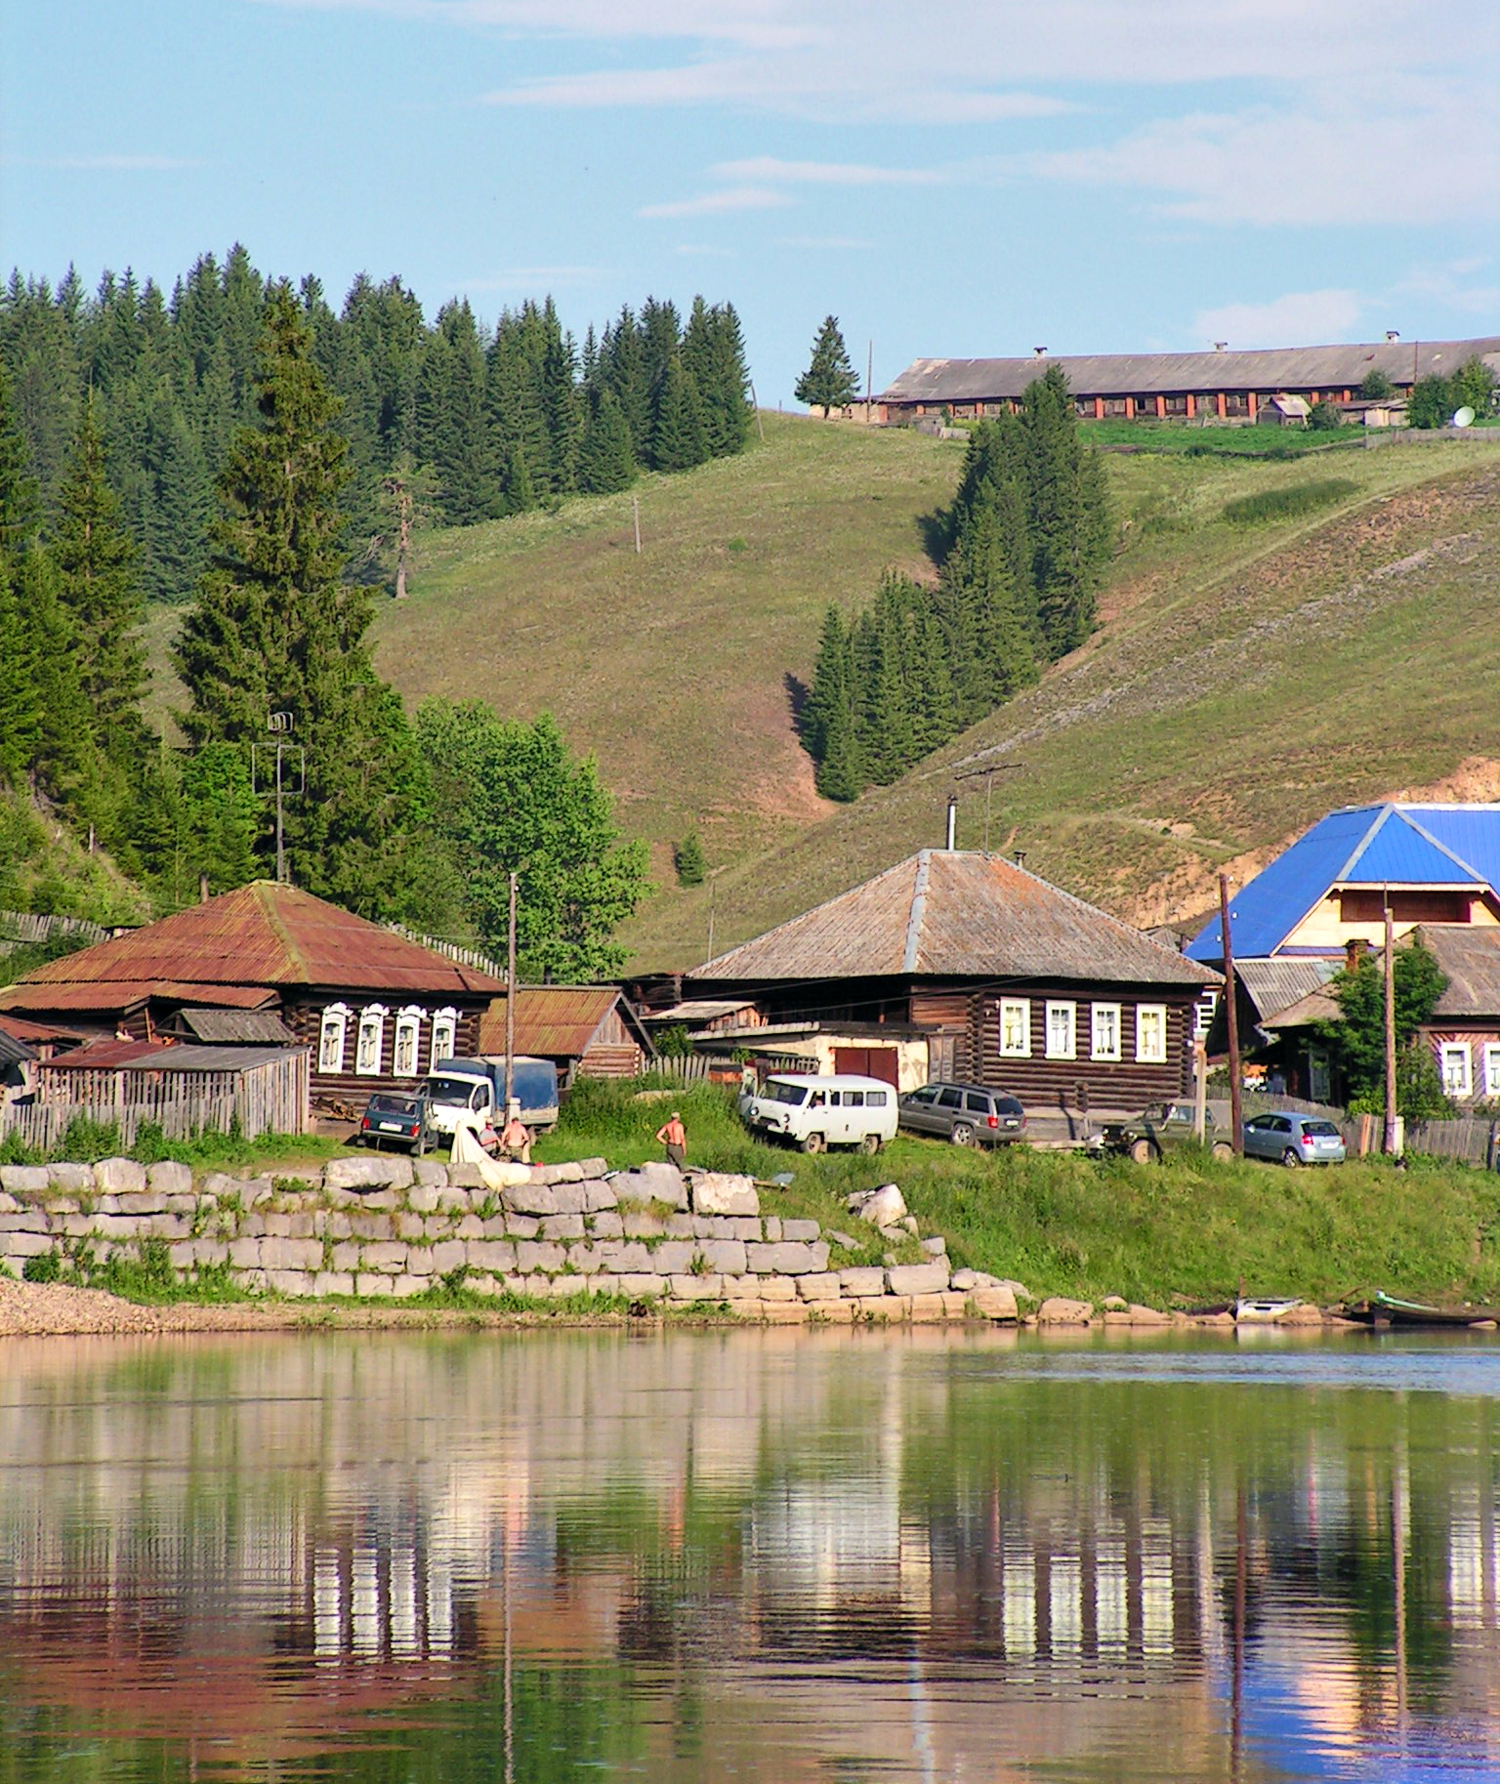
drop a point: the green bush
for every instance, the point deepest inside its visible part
(1325, 418)
(1289, 503)
(45, 1267)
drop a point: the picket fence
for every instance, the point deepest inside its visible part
(20, 927)
(1470, 1139)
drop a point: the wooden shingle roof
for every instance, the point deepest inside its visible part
(954, 914)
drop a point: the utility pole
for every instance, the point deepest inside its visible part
(279, 724)
(760, 426)
(1390, 1147)
(510, 1000)
(635, 509)
(870, 384)
(1236, 1125)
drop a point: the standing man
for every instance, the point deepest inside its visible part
(515, 1137)
(673, 1135)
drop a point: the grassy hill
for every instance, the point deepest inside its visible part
(1245, 677)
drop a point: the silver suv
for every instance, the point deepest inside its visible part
(966, 1114)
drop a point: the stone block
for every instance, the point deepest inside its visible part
(625, 1255)
(170, 1178)
(419, 1260)
(696, 1288)
(588, 1260)
(531, 1198)
(244, 1254)
(1058, 1310)
(644, 1226)
(727, 1256)
(924, 1310)
(469, 1226)
(773, 1228)
(70, 1179)
(117, 1175)
(446, 1255)
(859, 1283)
(806, 1232)
(842, 1240)
(718, 1192)
(24, 1180)
(653, 1182)
(673, 1257)
(490, 1254)
(385, 1256)
(786, 1313)
(642, 1285)
(879, 1308)
(570, 1198)
(993, 1303)
(346, 1256)
(593, 1168)
(562, 1226)
(291, 1254)
(368, 1286)
(955, 1305)
(680, 1226)
(776, 1288)
(403, 1287)
(494, 1227)
(422, 1198)
(293, 1283)
(384, 1201)
(333, 1282)
(377, 1172)
(788, 1258)
(822, 1285)
(571, 1172)
(917, 1279)
(537, 1254)
(465, 1177)
(183, 1255)
(833, 1313)
(256, 1190)
(741, 1288)
(277, 1226)
(26, 1244)
(522, 1226)
(598, 1196)
(427, 1173)
(881, 1207)
(936, 1247)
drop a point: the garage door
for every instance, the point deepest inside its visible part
(867, 1062)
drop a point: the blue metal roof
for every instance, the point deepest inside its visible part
(1409, 845)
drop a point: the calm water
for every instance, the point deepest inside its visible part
(748, 1556)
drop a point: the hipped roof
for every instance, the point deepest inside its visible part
(261, 935)
(954, 914)
(557, 1021)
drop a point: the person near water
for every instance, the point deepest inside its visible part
(673, 1135)
(515, 1137)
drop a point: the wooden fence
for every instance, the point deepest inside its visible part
(451, 950)
(1470, 1139)
(42, 1125)
(20, 927)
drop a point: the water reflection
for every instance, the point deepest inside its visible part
(757, 1555)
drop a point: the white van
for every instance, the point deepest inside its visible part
(816, 1112)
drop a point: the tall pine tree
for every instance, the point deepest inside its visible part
(830, 382)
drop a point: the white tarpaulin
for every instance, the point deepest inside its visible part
(494, 1173)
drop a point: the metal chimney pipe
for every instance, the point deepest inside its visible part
(951, 843)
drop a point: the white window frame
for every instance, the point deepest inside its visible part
(371, 1021)
(1461, 1083)
(1204, 1011)
(1061, 1007)
(408, 1026)
(444, 1035)
(334, 1022)
(1492, 1068)
(1016, 1006)
(1150, 1055)
(1096, 1050)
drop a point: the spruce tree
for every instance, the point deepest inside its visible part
(276, 628)
(1064, 504)
(184, 504)
(20, 692)
(20, 501)
(830, 382)
(623, 364)
(688, 859)
(830, 690)
(605, 461)
(840, 773)
(677, 436)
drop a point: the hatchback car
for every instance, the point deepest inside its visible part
(1294, 1139)
(966, 1114)
(396, 1120)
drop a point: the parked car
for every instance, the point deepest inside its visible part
(397, 1119)
(815, 1112)
(1156, 1131)
(966, 1114)
(1294, 1139)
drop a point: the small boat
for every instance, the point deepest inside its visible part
(1382, 1310)
(1262, 1311)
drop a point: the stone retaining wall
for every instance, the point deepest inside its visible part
(373, 1226)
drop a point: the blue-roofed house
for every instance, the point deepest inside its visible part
(1434, 864)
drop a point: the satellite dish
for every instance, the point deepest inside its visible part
(1464, 417)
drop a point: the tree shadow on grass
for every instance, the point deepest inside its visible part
(797, 692)
(936, 534)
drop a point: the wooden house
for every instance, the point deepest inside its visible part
(585, 1030)
(1014, 982)
(375, 1008)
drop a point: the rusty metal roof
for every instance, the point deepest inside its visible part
(126, 994)
(1270, 370)
(105, 1056)
(556, 1021)
(263, 934)
(955, 914)
(37, 1032)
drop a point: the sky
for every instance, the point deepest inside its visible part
(977, 177)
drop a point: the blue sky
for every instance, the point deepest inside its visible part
(979, 177)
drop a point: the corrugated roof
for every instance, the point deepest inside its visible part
(1317, 1006)
(162, 1056)
(105, 1056)
(1269, 369)
(13, 1049)
(554, 1021)
(127, 994)
(954, 914)
(20, 1029)
(697, 1009)
(1363, 845)
(1469, 955)
(237, 1028)
(263, 934)
(1275, 985)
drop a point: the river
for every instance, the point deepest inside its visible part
(758, 1555)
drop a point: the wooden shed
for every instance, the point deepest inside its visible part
(587, 1030)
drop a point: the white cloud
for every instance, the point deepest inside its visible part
(1297, 316)
(1449, 286)
(825, 173)
(715, 204)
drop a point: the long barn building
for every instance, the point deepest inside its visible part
(1211, 386)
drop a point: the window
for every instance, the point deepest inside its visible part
(976, 1102)
(1151, 1033)
(950, 1099)
(854, 1099)
(1492, 1070)
(408, 1030)
(875, 1099)
(927, 1094)
(1105, 1019)
(1455, 1067)
(331, 1038)
(371, 1040)
(1062, 1019)
(1203, 1014)
(444, 1036)
(1015, 1028)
